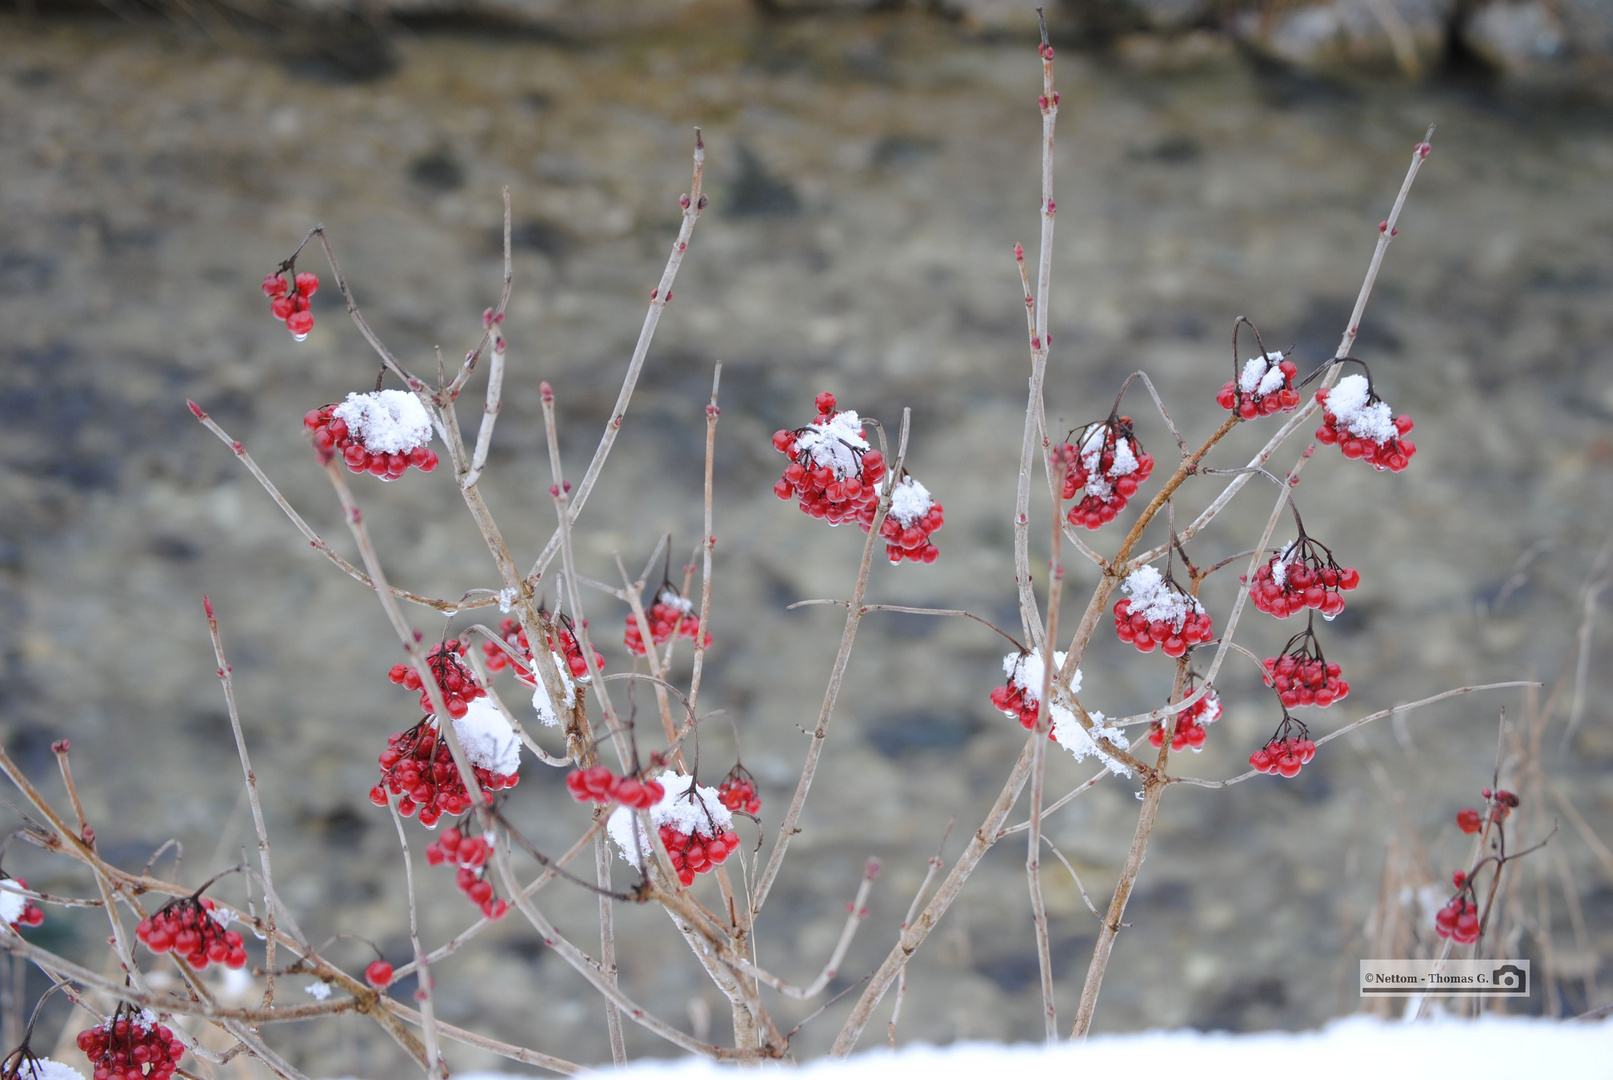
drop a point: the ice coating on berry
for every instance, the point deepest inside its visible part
(837, 445)
(703, 815)
(12, 902)
(1351, 405)
(1154, 599)
(386, 421)
(1262, 376)
(1069, 733)
(540, 696)
(910, 502)
(46, 1069)
(486, 738)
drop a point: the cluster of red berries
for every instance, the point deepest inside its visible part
(1500, 804)
(599, 785)
(1283, 757)
(418, 766)
(912, 518)
(1303, 575)
(289, 301)
(1190, 722)
(1305, 680)
(469, 855)
(515, 637)
(456, 681)
(1014, 701)
(692, 853)
(1105, 471)
(832, 471)
(332, 438)
(131, 1046)
(671, 614)
(1387, 449)
(1160, 612)
(1265, 386)
(738, 792)
(187, 927)
(31, 915)
(1458, 920)
(1302, 675)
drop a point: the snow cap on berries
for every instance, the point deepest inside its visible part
(46, 1069)
(1348, 401)
(1124, 464)
(1074, 738)
(676, 809)
(910, 501)
(1024, 670)
(386, 421)
(669, 596)
(12, 902)
(540, 696)
(1262, 376)
(487, 739)
(1155, 600)
(836, 445)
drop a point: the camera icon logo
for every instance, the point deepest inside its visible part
(1510, 977)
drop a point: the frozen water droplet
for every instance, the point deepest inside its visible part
(450, 612)
(299, 337)
(1329, 618)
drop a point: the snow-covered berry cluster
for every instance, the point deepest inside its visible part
(1286, 752)
(468, 855)
(1301, 675)
(1264, 386)
(832, 471)
(418, 766)
(382, 433)
(1190, 724)
(1302, 575)
(672, 613)
(131, 1045)
(599, 785)
(691, 821)
(1021, 692)
(738, 792)
(456, 681)
(16, 908)
(913, 517)
(1106, 466)
(195, 932)
(1356, 420)
(1160, 612)
(1458, 920)
(288, 301)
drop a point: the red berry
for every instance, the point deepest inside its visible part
(378, 974)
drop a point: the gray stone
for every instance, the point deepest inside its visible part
(1409, 34)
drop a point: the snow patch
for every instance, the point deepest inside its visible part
(487, 739)
(386, 421)
(540, 697)
(1261, 375)
(506, 600)
(319, 991)
(1074, 738)
(910, 502)
(1154, 599)
(671, 599)
(837, 445)
(12, 902)
(1348, 401)
(46, 1069)
(702, 814)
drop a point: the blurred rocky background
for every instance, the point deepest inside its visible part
(870, 168)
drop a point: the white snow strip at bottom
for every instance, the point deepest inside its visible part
(1344, 1050)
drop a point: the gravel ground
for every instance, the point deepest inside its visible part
(869, 177)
